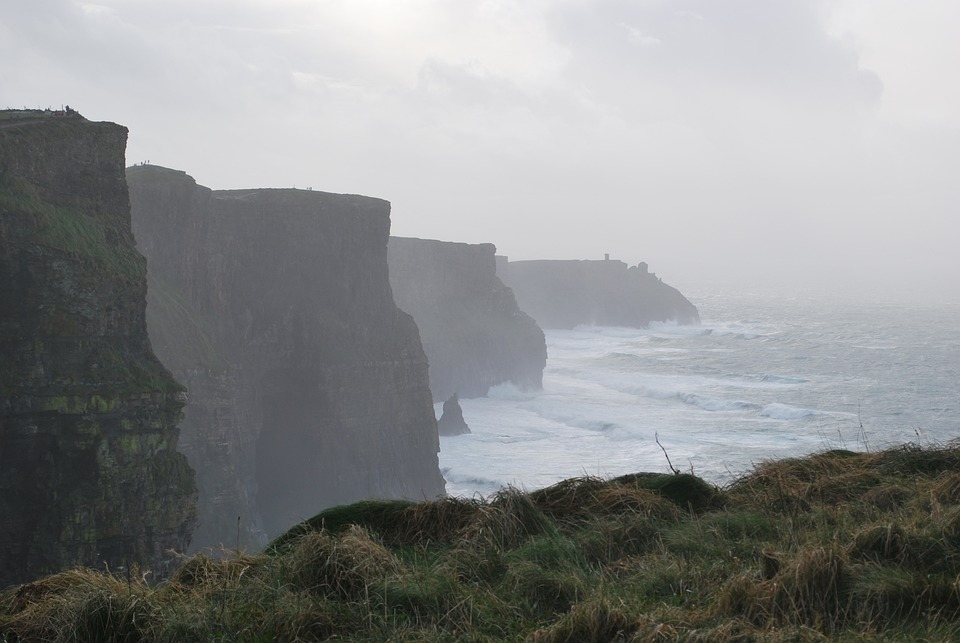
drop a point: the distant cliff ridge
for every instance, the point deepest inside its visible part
(564, 294)
(474, 334)
(308, 386)
(89, 472)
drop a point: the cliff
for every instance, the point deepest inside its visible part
(474, 334)
(89, 473)
(308, 386)
(564, 294)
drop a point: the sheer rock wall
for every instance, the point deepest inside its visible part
(89, 472)
(308, 386)
(474, 334)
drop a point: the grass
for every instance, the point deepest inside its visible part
(75, 229)
(837, 545)
(77, 232)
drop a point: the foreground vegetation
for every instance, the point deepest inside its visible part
(855, 546)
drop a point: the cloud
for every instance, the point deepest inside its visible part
(686, 131)
(637, 37)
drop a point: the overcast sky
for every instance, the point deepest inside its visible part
(798, 144)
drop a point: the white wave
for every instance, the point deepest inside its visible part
(768, 378)
(640, 357)
(778, 411)
(469, 485)
(769, 381)
(782, 379)
(510, 391)
(578, 421)
(713, 404)
(673, 329)
(651, 392)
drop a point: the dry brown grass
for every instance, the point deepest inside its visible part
(593, 621)
(839, 545)
(343, 567)
(78, 605)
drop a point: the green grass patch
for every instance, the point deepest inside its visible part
(73, 230)
(836, 546)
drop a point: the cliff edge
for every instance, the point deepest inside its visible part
(473, 332)
(89, 472)
(564, 294)
(308, 386)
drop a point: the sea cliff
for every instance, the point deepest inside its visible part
(564, 294)
(308, 386)
(89, 472)
(473, 332)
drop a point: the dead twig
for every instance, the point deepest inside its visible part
(669, 464)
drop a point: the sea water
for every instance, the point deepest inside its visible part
(762, 377)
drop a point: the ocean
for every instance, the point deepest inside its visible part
(763, 377)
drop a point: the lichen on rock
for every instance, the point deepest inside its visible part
(89, 472)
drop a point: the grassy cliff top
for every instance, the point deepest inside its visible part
(855, 546)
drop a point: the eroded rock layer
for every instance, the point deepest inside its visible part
(308, 386)
(564, 294)
(89, 472)
(474, 334)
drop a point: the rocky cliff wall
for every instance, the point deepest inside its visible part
(474, 334)
(308, 386)
(89, 472)
(564, 294)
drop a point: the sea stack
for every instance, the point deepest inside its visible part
(308, 385)
(451, 421)
(89, 469)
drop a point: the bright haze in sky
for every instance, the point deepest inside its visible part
(802, 145)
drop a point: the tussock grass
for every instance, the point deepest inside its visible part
(595, 621)
(76, 605)
(343, 567)
(946, 488)
(838, 545)
(684, 490)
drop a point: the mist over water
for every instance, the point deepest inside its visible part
(761, 378)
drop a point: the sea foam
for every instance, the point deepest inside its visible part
(778, 379)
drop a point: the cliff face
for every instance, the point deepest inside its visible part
(474, 334)
(89, 472)
(308, 386)
(564, 294)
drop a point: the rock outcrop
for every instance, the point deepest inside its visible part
(474, 334)
(308, 386)
(564, 294)
(451, 421)
(89, 471)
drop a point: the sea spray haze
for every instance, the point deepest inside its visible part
(308, 386)
(761, 377)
